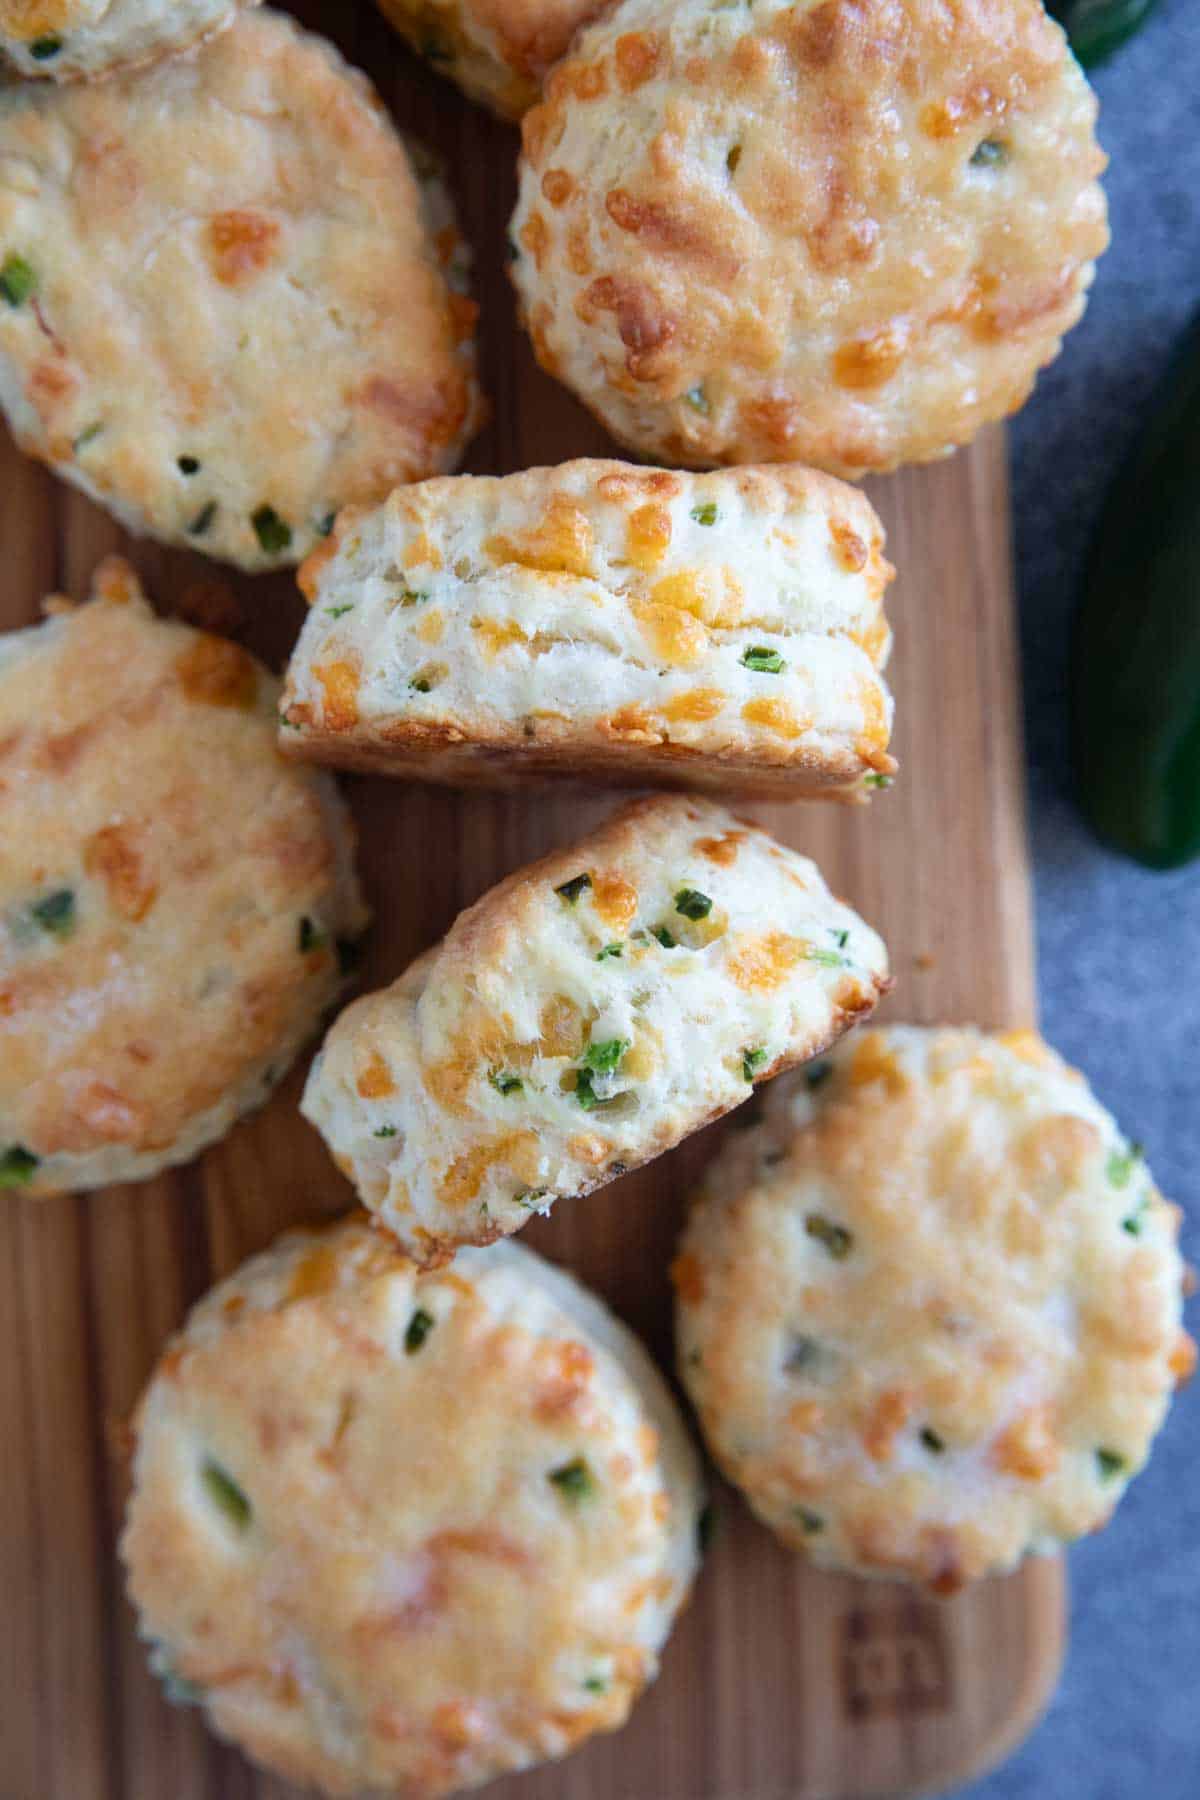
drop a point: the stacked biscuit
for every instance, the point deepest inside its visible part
(410, 1508)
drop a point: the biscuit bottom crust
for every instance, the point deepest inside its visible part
(929, 1309)
(415, 753)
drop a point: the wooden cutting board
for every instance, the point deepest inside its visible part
(779, 1684)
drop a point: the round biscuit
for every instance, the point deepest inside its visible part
(402, 1533)
(227, 302)
(72, 40)
(172, 893)
(929, 1309)
(499, 52)
(841, 232)
(602, 622)
(584, 1016)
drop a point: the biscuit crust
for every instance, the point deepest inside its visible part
(499, 52)
(843, 232)
(929, 1309)
(231, 304)
(451, 1522)
(583, 1017)
(172, 893)
(73, 40)
(602, 622)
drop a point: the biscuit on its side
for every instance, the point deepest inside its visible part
(400, 1533)
(173, 895)
(227, 304)
(602, 622)
(838, 232)
(929, 1309)
(498, 52)
(73, 40)
(582, 1017)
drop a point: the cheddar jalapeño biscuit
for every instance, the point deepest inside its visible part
(402, 1533)
(929, 1308)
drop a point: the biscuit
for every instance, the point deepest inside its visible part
(602, 622)
(72, 40)
(401, 1533)
(223, 311)
(499, 52)
(846, 234)
(582, 1017)
(173, 895)
(929, 1308)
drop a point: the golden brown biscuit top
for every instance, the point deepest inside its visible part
(25, 19)
(930, 1307)
(845, 232)
(397, 1529)
(498, 51)
(170, 888)
(232, 315)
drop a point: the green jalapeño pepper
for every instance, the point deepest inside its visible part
(1098, 27)
(1135, 673)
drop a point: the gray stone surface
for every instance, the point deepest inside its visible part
(1118, 947)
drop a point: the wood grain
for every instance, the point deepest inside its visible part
(779, 1684)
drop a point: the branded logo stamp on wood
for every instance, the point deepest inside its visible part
(893, 1660)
